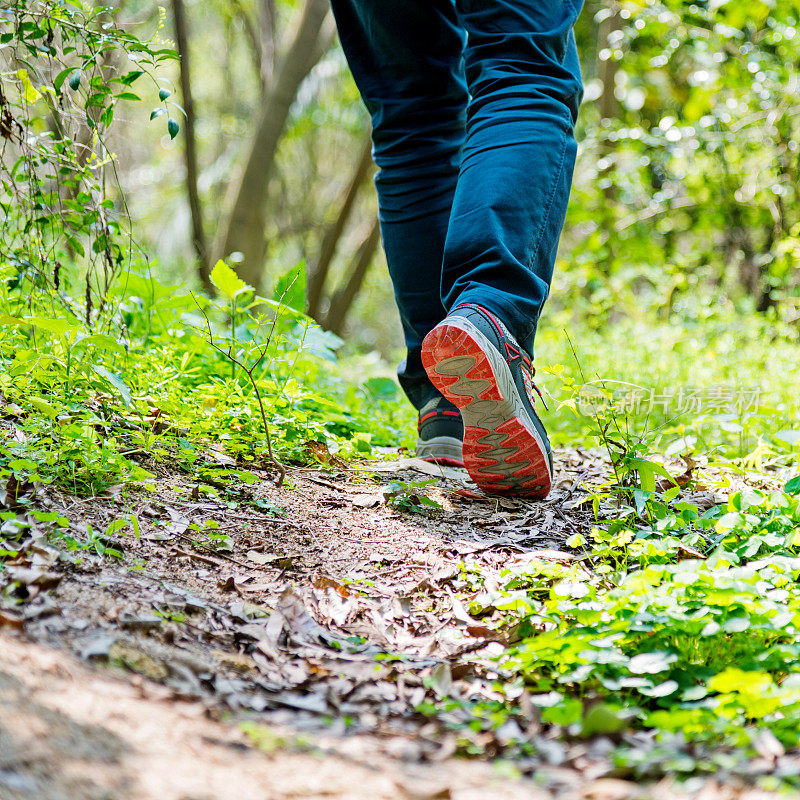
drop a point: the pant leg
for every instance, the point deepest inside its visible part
(516, 169)
(407, 60)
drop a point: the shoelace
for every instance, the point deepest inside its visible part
(503, 331)
(531, 372)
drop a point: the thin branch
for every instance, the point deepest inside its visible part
(249, 372)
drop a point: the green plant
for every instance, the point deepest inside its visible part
(658, 636)
(250, 357)
(91, 541)
(75, 66)
(215, 539)
(408, 496)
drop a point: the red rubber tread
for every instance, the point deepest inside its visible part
(532, 479)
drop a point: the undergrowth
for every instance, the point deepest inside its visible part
(674, 633)
(152, 387)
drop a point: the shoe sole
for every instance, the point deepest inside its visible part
(443, 450)
(502, 451)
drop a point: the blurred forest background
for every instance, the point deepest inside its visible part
(160, 139)
(687, 194)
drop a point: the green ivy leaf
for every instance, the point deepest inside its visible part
(694, 693)
(793, 487)
(172, 128)
(733, 679)
(29, 91)
(43, 407)
(163, 94)
(736, 624)
(603, 718)
(58, 326)
(567, 712)
(290, 288)
(116, 525)
(58, 82)
(131, 76)
(651, 663)
(640, 499)
(660, 690)
(75, 80)
(100, 341)
(107, 116)
(382, 388)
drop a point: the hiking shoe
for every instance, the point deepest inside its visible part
(478, 365)
(440, 433)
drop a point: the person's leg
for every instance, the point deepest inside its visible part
(406, 58)
(516, 168)
(508, 211)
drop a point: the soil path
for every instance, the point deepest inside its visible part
(230, 652)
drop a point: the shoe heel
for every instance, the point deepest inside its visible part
(500, 453)
(458, 367)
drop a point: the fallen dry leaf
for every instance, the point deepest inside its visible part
(12, 491)
(482, 632)
(767, 745)
(12, 617)
(262, 558)
(33, 576)
(423, 790)
(323, 581)
(365, 500)
(685, 552)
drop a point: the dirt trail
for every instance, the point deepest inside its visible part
(68, 732)
(242, 627)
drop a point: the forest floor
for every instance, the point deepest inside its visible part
(230, 651)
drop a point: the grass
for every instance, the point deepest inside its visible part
(721, 383)
(699, 653)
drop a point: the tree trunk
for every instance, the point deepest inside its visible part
(316, 278)
(609, 109)
(607, 69)
(266, 24)
(243, 230)
(190, 147)
(260, 35)
(342, 301)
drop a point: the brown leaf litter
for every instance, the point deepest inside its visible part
(273, 609)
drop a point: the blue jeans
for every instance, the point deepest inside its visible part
(473, 105)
